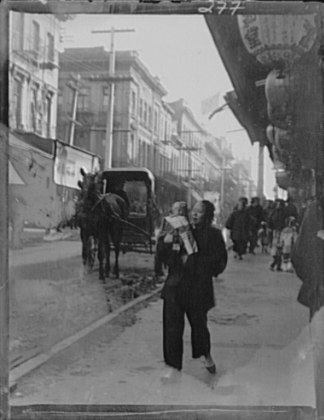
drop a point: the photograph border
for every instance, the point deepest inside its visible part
(162, 7)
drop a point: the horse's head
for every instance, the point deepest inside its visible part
(90, 188)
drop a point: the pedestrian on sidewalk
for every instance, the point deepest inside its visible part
(238, 224)
(277, 224)
(264, 235)
(256, 216)
(188, 290)
(288, 237)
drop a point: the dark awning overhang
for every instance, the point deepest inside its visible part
(247, 101)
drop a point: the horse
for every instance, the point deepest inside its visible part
(100, 218)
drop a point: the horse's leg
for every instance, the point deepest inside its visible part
(116, 238)
(107, 254)
(84, 248)
(101, 259)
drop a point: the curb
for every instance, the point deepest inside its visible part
(25, 368)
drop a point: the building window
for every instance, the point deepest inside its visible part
(17, 103)
(155, 121)
(33, 109)
(145, 114)
(18, 31)
(130, 148)
(142, 153)
(36, 110)
(141, 110)
(133, 103)
(59, 98)
(48, 115)
(35, 38)
(149, 116)
(84, 99)
(161, 135)
(50, 47)
(105, 101)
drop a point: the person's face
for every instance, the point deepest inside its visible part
(175, 208)
(198, 214)
(240, 205)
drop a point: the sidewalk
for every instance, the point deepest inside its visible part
(37, 250)
(260, 341)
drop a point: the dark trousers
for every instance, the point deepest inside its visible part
(277, 260)
(239, 247)
(253, 240)
(173, 327)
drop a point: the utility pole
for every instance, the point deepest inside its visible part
(75, 86)
(189, 191)
(108, 148)
(189, 150)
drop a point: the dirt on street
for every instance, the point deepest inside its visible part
(53, 297)
(260, 341)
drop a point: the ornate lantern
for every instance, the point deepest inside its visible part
(277, 40)
(280, 91)
(283, 179)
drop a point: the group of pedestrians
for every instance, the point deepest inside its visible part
(274, 226)
(194, 251)
(244, 224)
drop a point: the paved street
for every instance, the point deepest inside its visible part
(260, 341)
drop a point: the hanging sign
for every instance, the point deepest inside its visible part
(69, 161)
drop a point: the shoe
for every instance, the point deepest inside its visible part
(210, 365)
(172, 375)
(211, 369)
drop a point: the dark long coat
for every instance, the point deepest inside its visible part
(255, 217)
(239, 224)
(277, 219)
(308, 259)
(192, 282)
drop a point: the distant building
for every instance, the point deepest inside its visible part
(242, 172)
(33, 73)
(147, 131)
(142, 121)
(192, 137)
(218, 175)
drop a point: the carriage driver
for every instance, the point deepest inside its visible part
(117, 187)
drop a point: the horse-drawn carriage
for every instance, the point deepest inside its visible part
(143, 215)
(116, 206)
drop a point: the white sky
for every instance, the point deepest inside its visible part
(181, 52)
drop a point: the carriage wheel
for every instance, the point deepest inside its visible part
(91, 252)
